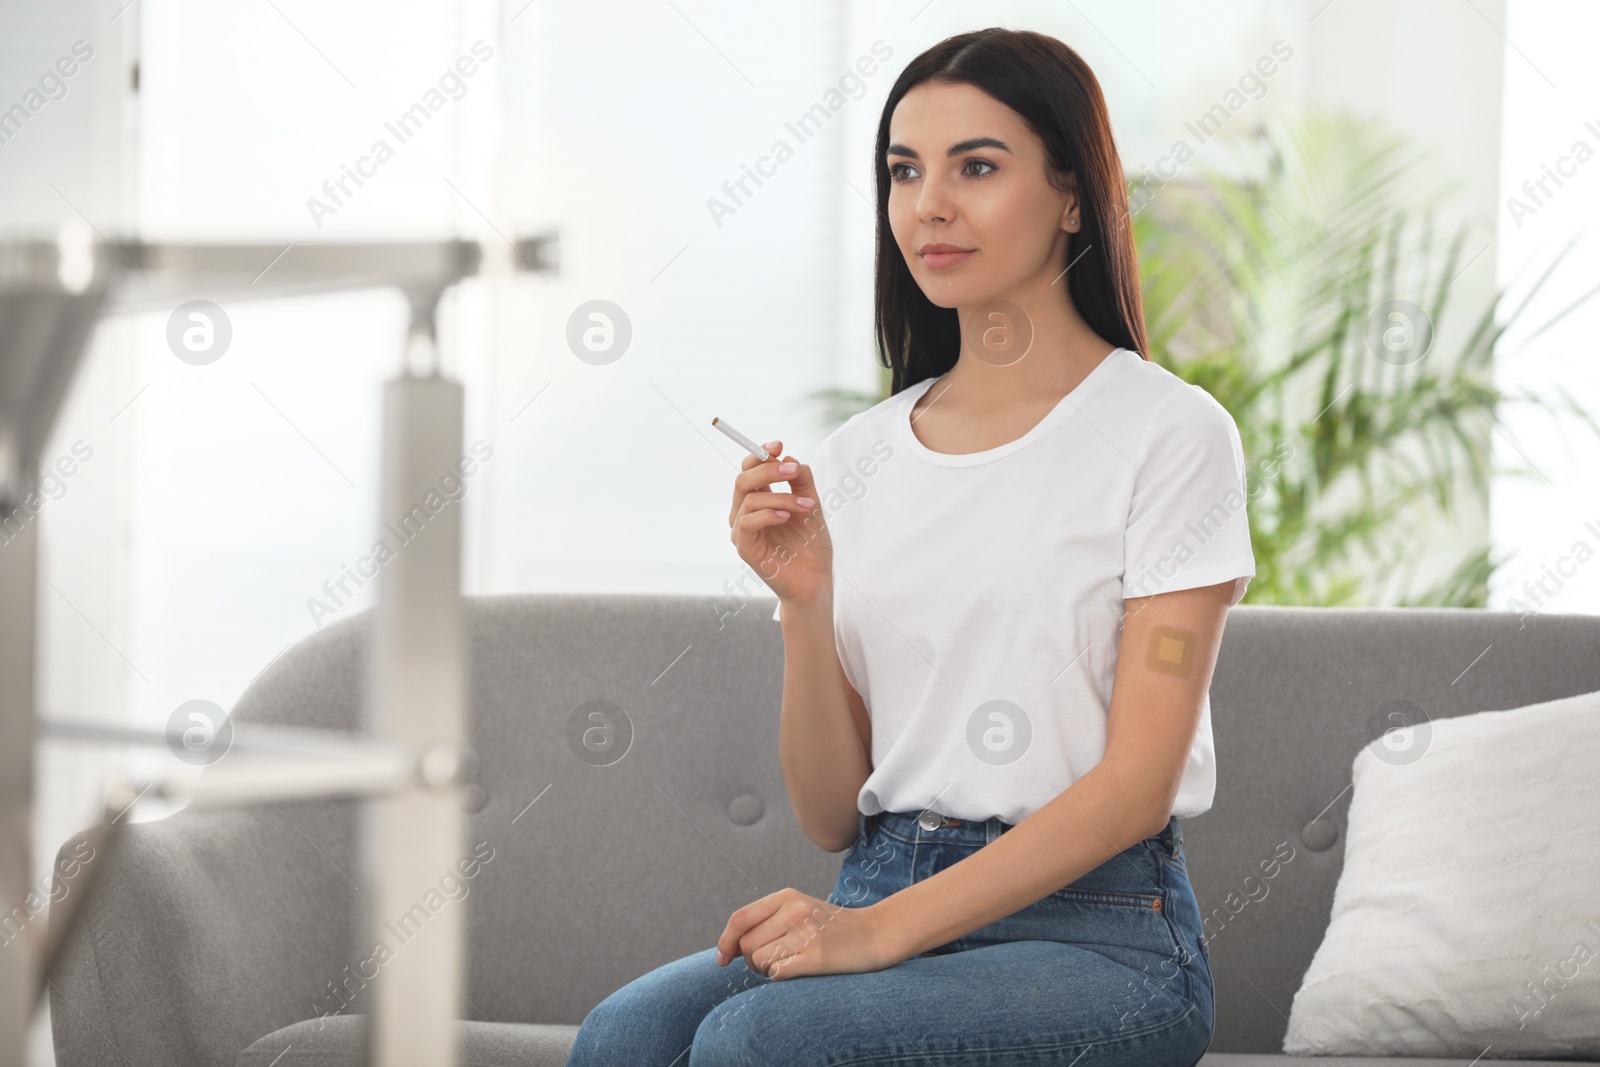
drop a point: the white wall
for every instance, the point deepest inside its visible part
(614, 478)
(1550, 518)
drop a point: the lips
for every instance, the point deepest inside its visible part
(941, 256)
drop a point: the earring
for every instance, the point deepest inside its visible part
(1072, 222)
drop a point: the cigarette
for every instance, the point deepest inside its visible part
(749, 445)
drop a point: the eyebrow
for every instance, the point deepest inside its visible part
(955, 150)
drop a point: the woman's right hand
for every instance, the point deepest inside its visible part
(785, 541)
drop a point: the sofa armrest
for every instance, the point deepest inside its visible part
(207, 930)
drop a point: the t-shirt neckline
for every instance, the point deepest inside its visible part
(972, 459)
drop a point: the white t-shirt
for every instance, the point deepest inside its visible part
(978, 598)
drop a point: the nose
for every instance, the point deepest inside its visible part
(933, 201)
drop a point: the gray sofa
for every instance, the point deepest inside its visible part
(215, 937)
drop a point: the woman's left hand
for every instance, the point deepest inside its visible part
(788, 934)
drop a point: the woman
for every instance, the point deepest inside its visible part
(1001, 591)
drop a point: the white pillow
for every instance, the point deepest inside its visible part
(1467, 916)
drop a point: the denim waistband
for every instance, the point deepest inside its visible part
(930, 824)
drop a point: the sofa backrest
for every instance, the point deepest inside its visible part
(602, 872)
(1296, 694)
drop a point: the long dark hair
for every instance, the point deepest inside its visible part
(1056, 93)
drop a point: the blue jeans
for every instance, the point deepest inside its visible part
(1108, 971)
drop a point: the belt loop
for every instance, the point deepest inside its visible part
(1168, 837)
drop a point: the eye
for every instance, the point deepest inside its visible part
(896, 177)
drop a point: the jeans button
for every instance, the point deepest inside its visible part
(930, 820)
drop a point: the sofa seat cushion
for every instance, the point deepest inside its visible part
(1244, 1059)
(336, 1042)
(339, 1041)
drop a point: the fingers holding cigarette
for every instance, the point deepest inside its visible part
(761, 520)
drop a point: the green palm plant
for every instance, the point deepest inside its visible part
(1277, 296)
(1360, 431)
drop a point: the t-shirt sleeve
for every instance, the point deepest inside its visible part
(1188, 525)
